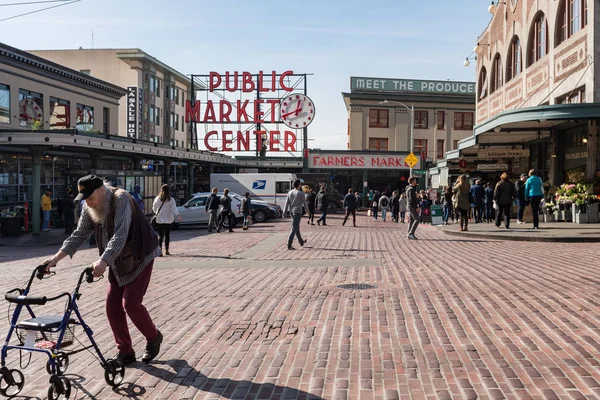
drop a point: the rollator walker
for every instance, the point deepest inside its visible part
(49, 335)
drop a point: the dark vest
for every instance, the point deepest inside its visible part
(141, 239)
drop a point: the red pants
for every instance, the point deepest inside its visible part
(128, 300)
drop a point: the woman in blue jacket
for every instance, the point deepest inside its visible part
(534, 193)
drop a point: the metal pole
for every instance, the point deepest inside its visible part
(305, 138)
(193, 140)
(412, 129)
(395, 129)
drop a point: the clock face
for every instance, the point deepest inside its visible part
(297, 111)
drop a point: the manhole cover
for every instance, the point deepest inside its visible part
(357, 286)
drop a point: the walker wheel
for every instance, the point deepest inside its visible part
(11, 382)
(62, 363)
(60, 388)
(114, 372)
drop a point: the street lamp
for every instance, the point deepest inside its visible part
(411, 110)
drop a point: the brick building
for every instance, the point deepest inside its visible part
(537, 80)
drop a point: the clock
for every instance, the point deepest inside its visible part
(297, 111)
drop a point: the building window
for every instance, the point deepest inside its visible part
(463, 121)
(31, 108)
(4, 104)
(421, 117)
(513, 65)
(177, 96)
(440, 148)
(152, 83)
(183, 98)
(572, 17)
(378, 144)
(496, 80)
(538, 39)
(172, 120)
(482, 84)
(176, 122)
(60, 113)
(157, 87)
(379, 118)
(106, 120)
(157, 116)
(152, 114)
(420, 147)
(85, 118)
(576, 97)
(441, 119)
(455, 145)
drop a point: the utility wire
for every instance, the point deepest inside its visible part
(40, 10)
(32, 2)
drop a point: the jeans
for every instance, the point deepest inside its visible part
(478, 211)
(46, 220)
(69, 219)
(489, 211)
(464, 218)
(413, 220)
(446, 213)
(383, 214)
(402, 215)
(374, 211)
(535, 209)
(311, 214)
(395, 215)
(348, 213)
(323, 217)
(225, 215)
(213, 219)
(127, 301)
(164, 232)
(503, 211)
(295, 231)
(521, 209)
(245, 219)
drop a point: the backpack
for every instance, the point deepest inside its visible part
(384, 202)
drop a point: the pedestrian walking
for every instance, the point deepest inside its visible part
(375, 205)
(311, 197)
(247, 209)
(46, 209)
(463, 203)
(489, 202)
(226, 213)
(413, 210)
(402, 207)
(370, 197)
(321, 203)
(350, 206)
(534, 193)
(165, 209)
(446, 204)
(212, 207)
(128, 246)
(424, 206)
(68, 211)
(477, 194)
(521, 200)
(294, 202)
(384, 206)
(395, 205)
(504, 195)
(137, 196)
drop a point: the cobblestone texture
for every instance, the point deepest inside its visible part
(451, 318)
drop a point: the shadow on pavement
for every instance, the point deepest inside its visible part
(185, 375)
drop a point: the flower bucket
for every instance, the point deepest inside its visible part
(593, 215)
(580, 214)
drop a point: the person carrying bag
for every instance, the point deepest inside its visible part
(164, 220)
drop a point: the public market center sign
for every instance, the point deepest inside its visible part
(410, 85)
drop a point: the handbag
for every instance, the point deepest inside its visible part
(153, 222)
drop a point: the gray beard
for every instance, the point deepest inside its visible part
(99, 213)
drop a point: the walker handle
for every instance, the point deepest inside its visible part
(89, 275)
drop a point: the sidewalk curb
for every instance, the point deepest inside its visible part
(517, 238)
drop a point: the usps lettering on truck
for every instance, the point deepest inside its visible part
(272, 188)
(259, 185)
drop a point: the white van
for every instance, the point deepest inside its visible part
(272, 188)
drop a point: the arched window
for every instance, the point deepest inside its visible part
(482, 84)
(513, 63)
(496, 78)
(572, 17)
(538, 39)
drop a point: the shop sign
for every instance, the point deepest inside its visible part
(494, 154)
(358, 161)
(437, 217)
(140, 106)
(132, 111)
(492, 167)
(576, 155)
(411, 85)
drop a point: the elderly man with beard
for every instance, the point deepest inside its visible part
(128, 246)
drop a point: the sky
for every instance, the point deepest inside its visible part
(331, 39)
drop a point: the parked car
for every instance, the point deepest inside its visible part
(194, 212)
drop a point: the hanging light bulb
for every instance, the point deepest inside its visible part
(466, 63)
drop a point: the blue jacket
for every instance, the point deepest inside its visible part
(477, 194)
(489, 195)
(534, 187)
(350, 202)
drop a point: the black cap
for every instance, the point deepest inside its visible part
(87, 185)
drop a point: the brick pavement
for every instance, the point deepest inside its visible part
(451, 318)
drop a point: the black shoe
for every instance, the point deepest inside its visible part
(319, 222)
(302, 243)
(218, 230)
(344, 223)
(152, 349)
(290, 247)
(125, 358)
(231, 230)
(312, 223)
(324, 224)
